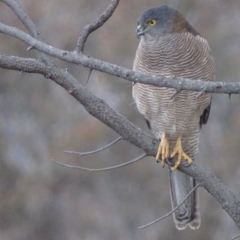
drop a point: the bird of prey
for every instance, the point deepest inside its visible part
(170, 46)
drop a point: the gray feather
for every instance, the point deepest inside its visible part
(188, 213)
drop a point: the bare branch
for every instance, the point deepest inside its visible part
(89, 75)
(88, 29)
(95, 106)
(99, 109)
(92, 63)
(173, 210)
(96, 150)
(28, 65)
(23, 17)
(177, 91)
(236, 237)
(29, 48)
(200, 93)
(102, 169)
(28, 23)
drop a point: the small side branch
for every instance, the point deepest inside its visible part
(88, 29)
(177, 91)
(102, 169)
(236, 237)
(171, 212)
(96, 150)
(89, 75)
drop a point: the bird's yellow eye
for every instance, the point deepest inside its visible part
(152, 22)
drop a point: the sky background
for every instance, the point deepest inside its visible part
(39, 121)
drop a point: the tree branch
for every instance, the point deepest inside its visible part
(129, 132)
(96, 150)
(23, 17)
(102, 169)
(112, 69)
(88, 29)
(29, 24)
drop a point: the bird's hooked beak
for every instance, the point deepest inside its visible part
(140, 30)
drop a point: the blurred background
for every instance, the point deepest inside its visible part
(39, 121)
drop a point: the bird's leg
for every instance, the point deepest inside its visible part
(181, 154)
(163, 150)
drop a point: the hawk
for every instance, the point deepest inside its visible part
(170, 46)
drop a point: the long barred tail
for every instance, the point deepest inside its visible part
(188, 213)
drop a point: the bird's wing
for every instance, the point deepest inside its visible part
(204, 117)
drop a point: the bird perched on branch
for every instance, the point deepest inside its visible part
(170, 46)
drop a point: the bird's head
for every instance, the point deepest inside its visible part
(162, 20)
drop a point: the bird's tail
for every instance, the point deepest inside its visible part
(188, 213)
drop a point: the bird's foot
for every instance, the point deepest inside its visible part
(163, 150)
(181, 154)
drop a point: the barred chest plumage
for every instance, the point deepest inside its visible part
(180, 55)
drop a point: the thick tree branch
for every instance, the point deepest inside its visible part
(95, 106)
(129, 132)
(93, 63)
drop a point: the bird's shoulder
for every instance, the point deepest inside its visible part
(184, 41)
(176, 54)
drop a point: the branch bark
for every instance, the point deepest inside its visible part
(112, 69)
(100, 110)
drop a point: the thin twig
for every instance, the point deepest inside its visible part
(236, 237)
(88, 29)
(96, 150)
(177, 91)
(200, 93)
(89, 75)
(29, 48)
(173, 210)
(102, 169)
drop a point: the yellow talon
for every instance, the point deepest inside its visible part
(163, 150)
(181, 154)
